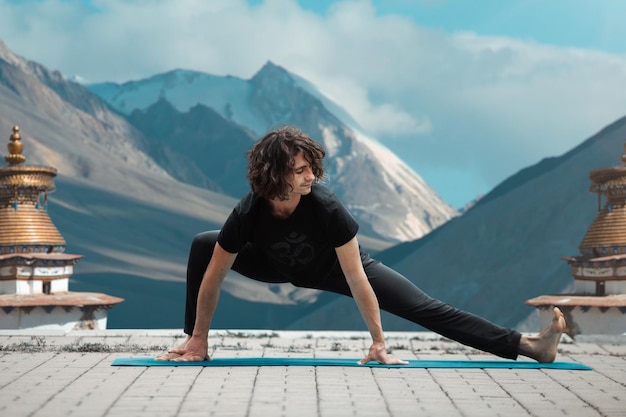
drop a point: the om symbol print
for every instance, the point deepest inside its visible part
(294, 250)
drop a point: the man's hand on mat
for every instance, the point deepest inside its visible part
(169, 355)
(195, 350)
(378, 353)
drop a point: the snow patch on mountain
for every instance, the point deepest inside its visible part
(423, 210)
(185, 89)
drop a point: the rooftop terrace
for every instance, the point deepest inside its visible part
(47, 373)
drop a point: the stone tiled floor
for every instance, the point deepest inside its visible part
(51, 374)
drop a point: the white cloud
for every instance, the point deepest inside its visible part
(440, 99)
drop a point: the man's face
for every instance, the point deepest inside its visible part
(301, 176)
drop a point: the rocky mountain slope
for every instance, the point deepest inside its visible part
(389, 199)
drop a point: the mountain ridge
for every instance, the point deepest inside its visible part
(360, 169)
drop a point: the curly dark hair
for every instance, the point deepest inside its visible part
(271, 160)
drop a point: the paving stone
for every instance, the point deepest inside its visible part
(51, 374)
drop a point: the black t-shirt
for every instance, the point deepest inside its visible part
(300, 247)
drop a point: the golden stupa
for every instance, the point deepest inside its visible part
(607, 234)
(598, 304)
(25, 226)
(34, 270)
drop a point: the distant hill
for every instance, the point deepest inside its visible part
(508, 247)
(180, 144)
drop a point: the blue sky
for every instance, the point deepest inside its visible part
(467, 92)
(596, 24)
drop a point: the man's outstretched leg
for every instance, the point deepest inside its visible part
(399, 296)
(544, 346)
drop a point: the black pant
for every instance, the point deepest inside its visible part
(395, 294)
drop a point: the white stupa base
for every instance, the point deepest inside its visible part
(592, 321)
(59, 311)
(57, 319)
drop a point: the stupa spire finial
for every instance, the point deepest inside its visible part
(15, 148)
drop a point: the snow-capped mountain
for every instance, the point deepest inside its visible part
(118, 204)
(388, 198)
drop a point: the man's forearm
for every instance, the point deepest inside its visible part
(209, 293)
(208, 298)
(370, 311)
(360, 287)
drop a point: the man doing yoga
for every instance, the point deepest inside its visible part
(290, 228)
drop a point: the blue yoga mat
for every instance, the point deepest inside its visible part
(503, 364)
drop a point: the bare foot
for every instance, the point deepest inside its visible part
(169, 355)
(543, 347)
